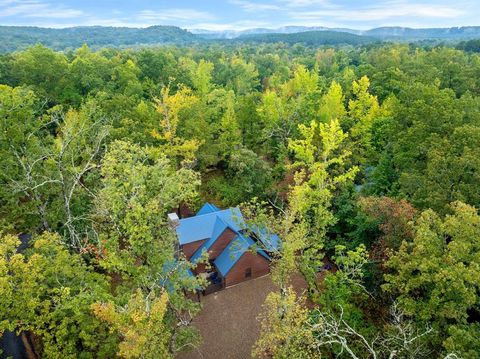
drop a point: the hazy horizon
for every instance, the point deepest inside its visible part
(240, 14)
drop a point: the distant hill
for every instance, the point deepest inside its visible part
(409, 34)
(14, 38)
(383, 33)
(233, 34)
(310, 38)
(18, 37)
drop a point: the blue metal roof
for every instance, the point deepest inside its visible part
(207, 208)
(270, 240)
(210, 222)
(202, 226)
(219, 227)
(233, 252)
(174, 268)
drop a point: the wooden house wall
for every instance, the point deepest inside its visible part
(258, 264)
(221, 243)
(190, 248)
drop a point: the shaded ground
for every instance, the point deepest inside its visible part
(228, 323)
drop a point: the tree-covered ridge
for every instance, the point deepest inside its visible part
(410, 34)
(367, 156)
(20, 37)
(15, 38)
(311, 38)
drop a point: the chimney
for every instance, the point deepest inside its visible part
(173, 220)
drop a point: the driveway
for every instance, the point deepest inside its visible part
(228, 320)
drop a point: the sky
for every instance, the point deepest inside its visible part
(241, 14)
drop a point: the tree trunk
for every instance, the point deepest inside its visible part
(29, 348)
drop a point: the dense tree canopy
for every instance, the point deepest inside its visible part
(365, 161)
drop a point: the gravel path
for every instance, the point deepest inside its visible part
(228, 323)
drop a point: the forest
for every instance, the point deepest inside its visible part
(366, 155)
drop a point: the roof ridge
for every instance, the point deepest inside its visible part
(210, 213)
(204, 246)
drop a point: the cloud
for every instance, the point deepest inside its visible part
(389, 10)
(36, 9)
(44, 13)
(243, 14)
(305, 3)
(174, 15)
(251, 6)
(145, 18)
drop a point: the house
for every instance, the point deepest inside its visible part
(235, 253)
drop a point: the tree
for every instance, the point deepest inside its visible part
(138, 247)
(90, 71)
(47, 292)
(294, 102)
(332, 104)
(430, 127)
(170, 106)
(139, 187)
(452, 169)
(282, 326)
(230, 137)
(201, 75)
(140, 325)
(51, 174)
(278, 120)
(337, 326)
(79, 147)
(436, 277)
(239, 75)
(321, 159)
(363, 111)
(394, 219)
(25, 146)
(247, 176)
(125, 79)
(46, 71)
(399, 339)
(344, 291)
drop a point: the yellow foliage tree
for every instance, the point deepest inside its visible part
(283, 330)
(170, 108)
(140, 325)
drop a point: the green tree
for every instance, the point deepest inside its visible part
(25, 146)
(50, 176)
(239, 75)
(139, 187)
(46, 71)
(436, 277)
(322, 171)
(321, 159)
(363, 111)
(293, 102)
(90, 71)
(47, 292)
(230, 137)
(135, 242)
(247, 176)
(332, 104)
(201, 75)
(429, 126)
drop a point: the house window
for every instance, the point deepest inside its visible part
(248, 273)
